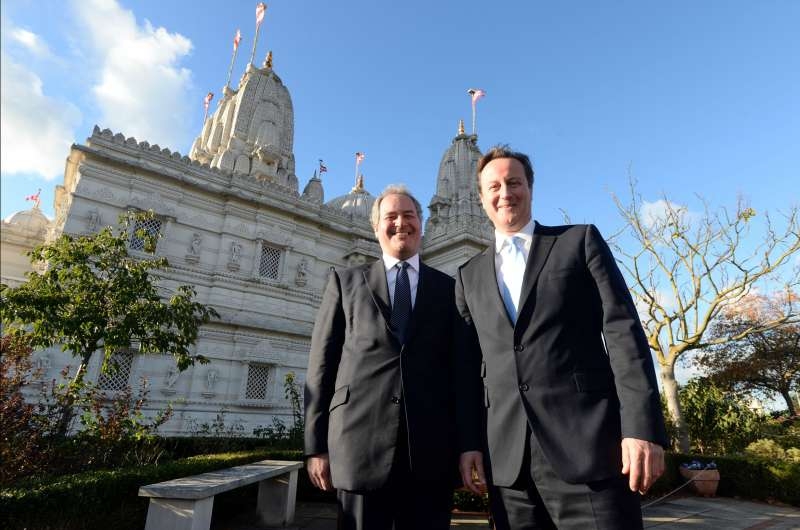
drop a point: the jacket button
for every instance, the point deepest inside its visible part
(524, 387)
(518, 348)
(395, 400)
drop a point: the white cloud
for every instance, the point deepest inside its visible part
(141, 88)
(31, 41)
(37, 130)
(658, 212)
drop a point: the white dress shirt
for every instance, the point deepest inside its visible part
(526, 234)
(391, 275)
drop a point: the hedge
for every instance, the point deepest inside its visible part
(743, 477)
(109, 499)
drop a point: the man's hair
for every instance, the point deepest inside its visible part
(504, 151)
(392, 189)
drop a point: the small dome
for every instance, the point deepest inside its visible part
(31, 221)
(313, 190)
(357, 203)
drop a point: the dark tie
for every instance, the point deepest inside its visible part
(401, 310)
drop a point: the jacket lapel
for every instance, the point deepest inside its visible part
(540, 250)
(375, 276)
(488, 270)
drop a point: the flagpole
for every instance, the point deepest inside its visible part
(473, 117)
(233, 57)
(261, 9)
(255, 41)
(355, 180)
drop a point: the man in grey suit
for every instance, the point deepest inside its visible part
(573, 417)
(379, 399)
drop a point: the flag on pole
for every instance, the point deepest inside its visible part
(322, 167)
(237, 39)
(261, 8)
(476, 94)
(34, 197)
(359, 157)
(206, 103)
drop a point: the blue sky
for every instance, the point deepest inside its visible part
(691, 97)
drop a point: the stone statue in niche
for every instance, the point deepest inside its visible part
(171, 377)
(300, 278)
(93, 220)
(193, 254)
(211, 379)
(42, 365)
(236, 252)
(194, 246)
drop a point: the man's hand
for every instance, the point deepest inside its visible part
(471, 466)
(319, 471)
(643, 462)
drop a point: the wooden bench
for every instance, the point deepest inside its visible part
(186, 503)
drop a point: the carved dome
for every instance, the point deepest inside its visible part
(357, 203)
(31, 222)
(252, 130)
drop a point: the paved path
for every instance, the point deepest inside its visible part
(686, 513)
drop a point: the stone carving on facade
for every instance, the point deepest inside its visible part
(300, 278)
(93, 220)
(193, 256)
(170, 378)
(212, 375)
(42, 365)
(235, 256)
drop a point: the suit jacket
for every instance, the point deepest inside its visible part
(576, 367)
(358, 372)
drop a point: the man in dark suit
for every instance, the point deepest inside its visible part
(379, 399)
(573, 417)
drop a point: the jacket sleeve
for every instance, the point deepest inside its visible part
(626, 344)
(323, 363)
(468, 385)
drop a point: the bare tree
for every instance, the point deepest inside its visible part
(685, 268)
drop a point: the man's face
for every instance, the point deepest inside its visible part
(505, 194)
(398, 229)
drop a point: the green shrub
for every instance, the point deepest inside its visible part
(106, 499)
(719, 422)
(766, 449)
(740, 476)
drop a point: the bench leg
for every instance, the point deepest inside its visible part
(179, 514)
(276, 498)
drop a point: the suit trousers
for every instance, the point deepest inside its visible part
(539, 499)
(404, 502)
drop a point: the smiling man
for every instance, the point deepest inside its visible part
(379, 390)
(574, 422)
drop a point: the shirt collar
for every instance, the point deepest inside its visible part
(391, 261)
(526, 233)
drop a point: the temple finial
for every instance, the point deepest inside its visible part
(460, 127)
(268, 60)
(359, 183)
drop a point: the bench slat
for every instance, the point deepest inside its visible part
(214, 482)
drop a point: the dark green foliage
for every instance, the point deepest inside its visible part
(94, 296)
(279, 434)
(740, 476)
(114, 431)
(107, 499)
(466, 501)
(718, 421)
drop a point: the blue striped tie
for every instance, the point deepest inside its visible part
(401, 310)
